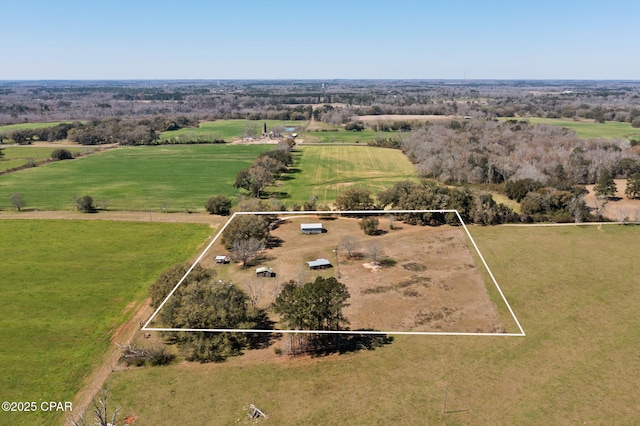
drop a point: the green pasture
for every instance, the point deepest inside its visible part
(22, 126)
(155, 178)
(64, 287)
(324, 171)
(225, 129)
(576, 291)
(235, 129)
(590, 129)
(16, 156)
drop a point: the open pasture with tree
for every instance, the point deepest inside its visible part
(323, 171)
(158, 178)
(410, 278)
(66, 286)
(589, 128)
(576, 290)
(16, 156)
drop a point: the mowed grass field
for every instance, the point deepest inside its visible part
(16, 156)
(324, 171)
(22, 126)
(344, 136)
(66, 286)
(576, 291)
(155, 178)
(228, 130)
(591, 129)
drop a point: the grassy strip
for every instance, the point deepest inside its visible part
(590, 129)
(576, 291)
(344, 136)
(135, 178)
(64, 292)
(22, 126)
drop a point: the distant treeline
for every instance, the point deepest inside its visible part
(98, 132)
(299, 100)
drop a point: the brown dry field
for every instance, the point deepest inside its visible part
(433, 286)
(623, 205)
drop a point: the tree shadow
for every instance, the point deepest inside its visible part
(324, 345)
(278, 195)
(273, 242)
(262, 340)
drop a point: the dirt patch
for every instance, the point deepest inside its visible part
(431, 270)
(618, 208)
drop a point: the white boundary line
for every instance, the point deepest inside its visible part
(146, 327)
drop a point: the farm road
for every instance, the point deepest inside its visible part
(213, 221)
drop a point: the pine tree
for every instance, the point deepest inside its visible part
(605, 187)
(633, 186)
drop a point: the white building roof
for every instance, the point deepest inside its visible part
(318, 262)
(263, 269)
(310, 226)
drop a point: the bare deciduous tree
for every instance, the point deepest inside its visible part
(17, 200)
(245, 250)
(100, 410)
(375, 253)
(350, 244)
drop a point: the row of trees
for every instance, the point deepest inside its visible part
(265, 170)
(427, 195)
(96, 131)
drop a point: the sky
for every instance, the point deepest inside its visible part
(323, 39)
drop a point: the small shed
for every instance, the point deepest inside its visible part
(312, 228)
(222, 259)
(319, 264)
(265, 272)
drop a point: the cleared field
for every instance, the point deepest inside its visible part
(66, 286)
(226, 129)
(344, 136)
(17, 156)
(324, 171)
(154, 178)
(590, 129)
(21, 126)
(576, 291)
